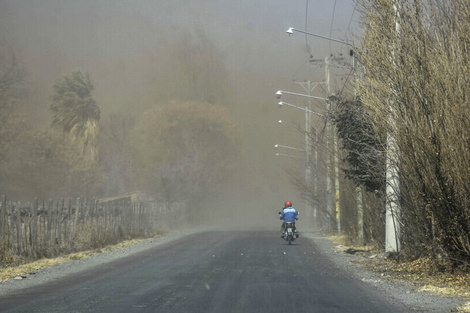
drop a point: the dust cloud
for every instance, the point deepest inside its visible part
(141, 57)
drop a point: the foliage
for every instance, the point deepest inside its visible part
(75, 112)
(117, 156)
(417, 86)
(364, 152)
(42, 164)
(192, 69)
(185, 148)
(12, 94)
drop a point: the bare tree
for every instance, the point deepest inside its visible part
(12, 92)
(417, 75)
(185, 148)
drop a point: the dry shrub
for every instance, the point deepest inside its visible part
(417, 66)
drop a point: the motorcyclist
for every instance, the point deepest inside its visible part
(289, 214)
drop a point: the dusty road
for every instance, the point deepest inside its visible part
(231, 271)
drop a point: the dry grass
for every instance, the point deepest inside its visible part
(421, 273)
(344, 243)
(464, 309)
(27, 268)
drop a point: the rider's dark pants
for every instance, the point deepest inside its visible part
(283, 227)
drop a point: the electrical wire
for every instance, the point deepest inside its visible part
(350, 20)
(346, 82)
(306, 29)
(331, 25)
(300, 67)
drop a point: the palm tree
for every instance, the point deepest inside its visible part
(75, 112)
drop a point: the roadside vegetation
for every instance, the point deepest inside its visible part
(421, 273)
(18, 267)
(415, 87)
(173, 146)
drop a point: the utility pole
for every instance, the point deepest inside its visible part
(359, 195)
(336, 209)
(315, 178)
(392, 225)
(309, 210)
(360, 216)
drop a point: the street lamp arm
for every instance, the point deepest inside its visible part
(288, 155)
(279, 93)
(291, 30)
(288, 147)
(281, 103)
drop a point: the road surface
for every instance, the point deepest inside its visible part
(218, 271)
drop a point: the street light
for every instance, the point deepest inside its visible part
(308, 172)
(353, 53)
(291, 30)
(288, 155)
(392, 226)
(281, 103)
(307, 111)
(288, 147)
(279, 94)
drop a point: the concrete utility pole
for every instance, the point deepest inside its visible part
(336, 209)
(308, 148)
(360, 216)
(392, 224)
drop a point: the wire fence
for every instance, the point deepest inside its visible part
(49, 228)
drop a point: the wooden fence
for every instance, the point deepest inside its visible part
(48, 228)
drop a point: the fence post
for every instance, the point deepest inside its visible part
(60, 219)
(35, 226)
(3, 213)
(75, 218)
(19, 228)
(14, 246)
(49, 223)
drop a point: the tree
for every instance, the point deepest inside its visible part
(12, 93)
(365, 155)
(191, 69)
(75, 112)
(117, 155)
(186, 148)
(417, 86)
(39, 166)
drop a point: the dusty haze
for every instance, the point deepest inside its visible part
(128, 49)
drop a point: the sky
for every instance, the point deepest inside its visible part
(246, 30)
(110, 39)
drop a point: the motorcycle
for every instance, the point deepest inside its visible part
(289, 233)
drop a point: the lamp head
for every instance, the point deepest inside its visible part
(280, 103)
(290, 31)
(278, 94)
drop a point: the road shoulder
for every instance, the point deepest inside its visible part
(397, 291)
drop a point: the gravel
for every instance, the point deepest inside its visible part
(71, 267)
(397, 292)
(394, 292)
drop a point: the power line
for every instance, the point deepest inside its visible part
(306, 21)
(350, 20)
(331, 25)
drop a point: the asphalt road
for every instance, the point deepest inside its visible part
(233, 271)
